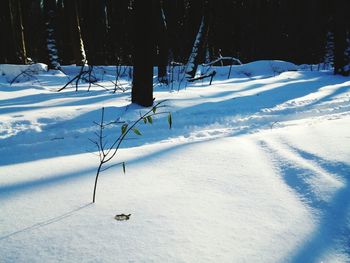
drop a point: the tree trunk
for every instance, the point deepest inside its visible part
(328, 58)
(77, 43)
(341, 39)
(50, 13)
(142, 86)
(193, 60)
(17, 32)
(163, 48)
(3, 31)
(94, 30)
(198, 49)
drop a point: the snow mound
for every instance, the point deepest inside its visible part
(265, 68)
(19, 73)
(256, 69)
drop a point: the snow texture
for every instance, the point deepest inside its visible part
(255, 169)
(21, 72)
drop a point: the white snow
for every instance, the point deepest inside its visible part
(255, 169)
(22, 72)
(264, 68)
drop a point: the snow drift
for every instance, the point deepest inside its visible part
(21, 73)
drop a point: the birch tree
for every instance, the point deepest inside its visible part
(193, 60)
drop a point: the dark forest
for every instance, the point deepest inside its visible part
(103, 32)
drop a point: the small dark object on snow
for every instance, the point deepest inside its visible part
(122, 217)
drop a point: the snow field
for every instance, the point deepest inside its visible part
(255, 169)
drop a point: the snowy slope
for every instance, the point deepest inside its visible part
(255, 169)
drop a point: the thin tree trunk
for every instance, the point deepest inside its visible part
(163, 47)
(198, 49)
(142, 86)
(193, 60)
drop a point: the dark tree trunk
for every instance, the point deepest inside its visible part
(142, 86)
(50, 9)
(71, 7)
(34, 34)
(341, 38)
(162, 42)
(120, 31)
(94, 31)
(4, 29)
(175, 13)
(17, 31)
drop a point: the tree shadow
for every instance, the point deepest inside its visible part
(296, 177)
(56, 137)
(73, 134)
(80, 102)
(236, 111)
(329, 97)
(7, 191)
(332, 216)
(334, 222)
(7, 87)
(46, 222)
(47, 96)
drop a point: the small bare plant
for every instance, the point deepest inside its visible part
(107, 152)
(87, 75)
(120, 71)
(27, 73)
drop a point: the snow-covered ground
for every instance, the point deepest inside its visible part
(255, 169)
